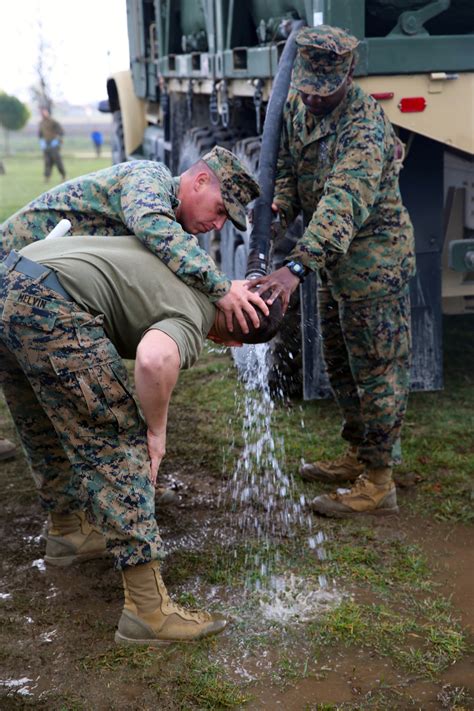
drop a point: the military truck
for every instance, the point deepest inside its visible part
(202, 72)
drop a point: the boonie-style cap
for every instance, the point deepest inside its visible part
(238, 187)
(323, 59)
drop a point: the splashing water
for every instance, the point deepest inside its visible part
(295, 599)
(259, 482)
(260, 489)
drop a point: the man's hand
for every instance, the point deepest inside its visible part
(156, 451)
(282, 283)
(238, 301)
(275, 209)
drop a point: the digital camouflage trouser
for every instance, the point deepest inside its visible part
(66, 387)
(366, 347)
(51, 158)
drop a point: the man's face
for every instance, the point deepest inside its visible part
(323, 105)
(202, 207)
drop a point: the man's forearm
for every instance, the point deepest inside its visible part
(156, 373)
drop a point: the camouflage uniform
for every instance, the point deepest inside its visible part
(62, 376)
(140, 198)
(67, 389)
(340, 169)
(50, 133)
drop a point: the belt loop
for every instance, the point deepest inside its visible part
(11, 260)
(44, 275)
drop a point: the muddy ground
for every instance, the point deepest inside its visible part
(58, 625)
(397, 629)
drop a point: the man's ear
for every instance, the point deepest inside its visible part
(201, 181)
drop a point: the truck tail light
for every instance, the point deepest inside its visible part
(411, 104)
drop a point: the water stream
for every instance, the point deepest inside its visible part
(262, 492)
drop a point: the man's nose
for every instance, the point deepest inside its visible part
(220, 222)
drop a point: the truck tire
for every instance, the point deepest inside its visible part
(118, 144)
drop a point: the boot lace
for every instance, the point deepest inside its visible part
(168, 602)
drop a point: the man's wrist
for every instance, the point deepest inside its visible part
(220, 291)
(297, 268)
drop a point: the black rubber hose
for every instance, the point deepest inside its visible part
(257, 262)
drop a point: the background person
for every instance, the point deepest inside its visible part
(71, 309)
(164, 213)
(97, 141)
(50, 133)
(338, 163)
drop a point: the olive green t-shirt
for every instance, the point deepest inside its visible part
(121, 279)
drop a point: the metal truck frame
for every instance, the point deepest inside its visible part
(201, 73)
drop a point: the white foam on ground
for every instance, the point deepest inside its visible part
(298, 600)
(40, 564)
(20, 685)
(48, 636)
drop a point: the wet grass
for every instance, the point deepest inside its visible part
(180, 676)
(438, 438)
(423, 639)
(392, 609)
(396, 699)
(407, 621)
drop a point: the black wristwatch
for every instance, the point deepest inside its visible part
(297, 268)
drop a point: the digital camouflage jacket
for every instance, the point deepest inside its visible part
(340, 169)
(138, 197)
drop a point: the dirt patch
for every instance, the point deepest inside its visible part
(58, 625)
(450, 550)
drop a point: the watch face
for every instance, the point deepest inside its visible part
(297, 269)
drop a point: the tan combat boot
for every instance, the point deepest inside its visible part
(7, 449)
(71, 539)
(375, 495)
(344, 468)
(150, 617)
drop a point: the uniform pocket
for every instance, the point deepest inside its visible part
(96, 384)
(89, 329)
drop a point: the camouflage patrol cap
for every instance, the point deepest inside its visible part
(237, 185)
(323, 59)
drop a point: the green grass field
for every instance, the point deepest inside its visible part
(399, 619)
(23, 179)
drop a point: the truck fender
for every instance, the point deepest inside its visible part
(122, 98)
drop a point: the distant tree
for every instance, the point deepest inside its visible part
(13, 116)
(41, 91)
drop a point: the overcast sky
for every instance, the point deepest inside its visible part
(88, 40)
